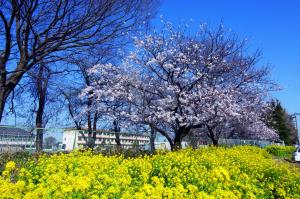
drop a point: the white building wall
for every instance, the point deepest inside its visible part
(164, 145)
(70, 140)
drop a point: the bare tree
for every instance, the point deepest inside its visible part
(74, 105)
(40, 30)
(43, 89)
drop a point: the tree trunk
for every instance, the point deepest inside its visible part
(211, 134)
(41, 88)
(8, 84)
(3, 99)
(4, 93)
(179, 135)
(39, 125)
(91, 141)
(117, 134)
(39, 134)
(152, 140)
(162, 132)
(89, 130)
(95, 120)
(176, 145)
(215, 142)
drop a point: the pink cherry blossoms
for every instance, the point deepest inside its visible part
(175, 83)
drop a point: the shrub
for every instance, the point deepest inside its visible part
(238, 172)
(20, 158)
(281, 151)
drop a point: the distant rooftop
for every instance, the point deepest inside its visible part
(13, 131)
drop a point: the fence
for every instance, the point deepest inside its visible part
(17, 139)
(259, 143)
(195, 141)
(59, 139)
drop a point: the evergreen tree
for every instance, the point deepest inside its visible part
(282, 122)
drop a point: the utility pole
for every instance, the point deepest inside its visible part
(294, 116)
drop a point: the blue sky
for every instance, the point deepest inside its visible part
(272, 26)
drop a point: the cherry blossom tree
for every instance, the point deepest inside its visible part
(175, 83)
(257, 131)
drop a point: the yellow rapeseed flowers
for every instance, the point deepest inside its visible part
(238, 172)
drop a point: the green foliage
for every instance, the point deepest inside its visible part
(282, 122)
(280, 151)
(20, 158)
(127, 153)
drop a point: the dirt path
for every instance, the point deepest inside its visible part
(296, 164)
(286, 160)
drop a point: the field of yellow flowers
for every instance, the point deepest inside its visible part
(238, 172)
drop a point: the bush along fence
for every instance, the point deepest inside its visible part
(281, 151)
(259, 143)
